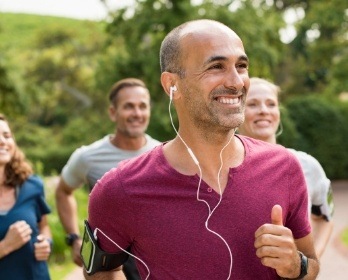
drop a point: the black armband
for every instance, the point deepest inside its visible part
(95, 259)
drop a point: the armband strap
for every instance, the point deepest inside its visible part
(94, 258)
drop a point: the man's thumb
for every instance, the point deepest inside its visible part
(277, 215)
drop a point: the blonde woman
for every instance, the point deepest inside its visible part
(262, 121)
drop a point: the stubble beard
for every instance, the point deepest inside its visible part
(214, 119)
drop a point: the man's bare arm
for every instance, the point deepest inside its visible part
(67, 211)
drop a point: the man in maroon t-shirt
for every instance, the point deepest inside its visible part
(207, 204)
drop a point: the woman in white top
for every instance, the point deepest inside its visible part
(262, 120)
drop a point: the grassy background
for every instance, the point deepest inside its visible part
(345, 237)
(60, 263)
(17, 31)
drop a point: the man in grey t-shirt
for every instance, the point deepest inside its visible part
(130, 111)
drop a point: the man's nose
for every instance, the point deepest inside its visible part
(234, 80)
(137, 111)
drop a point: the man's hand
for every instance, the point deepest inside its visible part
(76, 247)
(276, 247)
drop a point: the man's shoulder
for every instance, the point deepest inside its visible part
(258, 150)
(142, 161)
(129, 171)
(97, 144)
(151, 142)
(303, 156)
(92, 147)
(259, 145)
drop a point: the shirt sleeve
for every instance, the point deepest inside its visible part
(75, 170)
(109, 213)
(42, 206)
(298, 220)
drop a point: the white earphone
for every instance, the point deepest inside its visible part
(171, 90)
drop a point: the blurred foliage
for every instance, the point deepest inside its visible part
(61, 255)
(10, 100)
(288, 134)
(323, 131)
(345, 237)
(317, 57)
(55, 73)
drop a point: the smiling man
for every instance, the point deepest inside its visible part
(208, 204)
(130, 111)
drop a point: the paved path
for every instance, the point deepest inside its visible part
(76, 274)
(334, 262)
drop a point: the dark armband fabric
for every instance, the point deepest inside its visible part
(325, 210)
(94, 258)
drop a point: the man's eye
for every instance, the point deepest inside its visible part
(216, 66)
(243, 66)
(127, 106)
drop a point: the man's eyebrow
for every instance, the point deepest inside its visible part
(244, 57)
(215, 58)
(224, 58)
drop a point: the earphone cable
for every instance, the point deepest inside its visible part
(199, 185)
(147, 268)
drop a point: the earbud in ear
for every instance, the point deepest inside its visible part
(171, 89)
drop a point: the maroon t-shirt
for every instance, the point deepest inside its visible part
(147, 204)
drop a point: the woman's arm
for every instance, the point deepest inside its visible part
(17, 235)
(322, 230)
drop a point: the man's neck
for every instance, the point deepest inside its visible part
(211, 158)
(128, 143)
(205, 151)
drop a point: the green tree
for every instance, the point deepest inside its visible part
(323, 132)
(318, 55)
(60, 74)
(12, 102)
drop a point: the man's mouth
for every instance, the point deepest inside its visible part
(228, 100)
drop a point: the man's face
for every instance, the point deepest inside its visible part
(216, 77)
(131, 111)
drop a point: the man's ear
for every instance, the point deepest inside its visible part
(112, 113)
(168, 81)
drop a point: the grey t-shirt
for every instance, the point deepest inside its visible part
(89, 163)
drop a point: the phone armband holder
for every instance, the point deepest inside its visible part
(95, 259)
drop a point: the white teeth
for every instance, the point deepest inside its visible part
(226, 100)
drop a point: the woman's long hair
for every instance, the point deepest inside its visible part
(19, 168)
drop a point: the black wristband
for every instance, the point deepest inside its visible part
(304, 267)
(71, 238)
